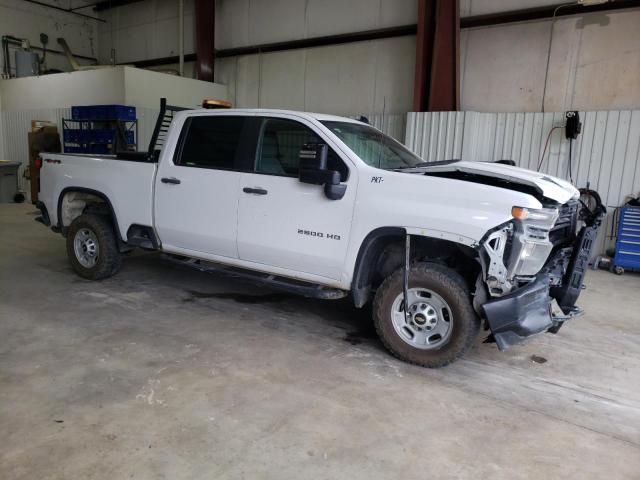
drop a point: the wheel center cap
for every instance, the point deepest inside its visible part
(423, 315)
(420, 319)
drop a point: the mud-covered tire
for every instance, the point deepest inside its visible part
(447, 284)
(99, 230)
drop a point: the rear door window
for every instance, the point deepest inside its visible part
(211, 142)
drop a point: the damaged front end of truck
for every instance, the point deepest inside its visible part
(534, 266)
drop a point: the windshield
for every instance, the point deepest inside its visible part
(373, 146)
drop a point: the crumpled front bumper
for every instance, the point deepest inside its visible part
(520, 314)
(528, 310)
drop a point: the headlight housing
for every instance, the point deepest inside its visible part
(531, 246)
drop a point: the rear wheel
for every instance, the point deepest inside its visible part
(440, 324)
(92, 247)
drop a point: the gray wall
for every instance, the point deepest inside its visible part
(594, 64)
(362, 77)
(593, 59)
(144, 30)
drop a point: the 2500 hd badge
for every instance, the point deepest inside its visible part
(310, 233)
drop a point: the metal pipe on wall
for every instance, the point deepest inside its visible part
(437, 75)
(181, 36)
(205, 13)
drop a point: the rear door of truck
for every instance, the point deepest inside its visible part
(196, 191)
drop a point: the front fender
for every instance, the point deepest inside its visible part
(441, 235)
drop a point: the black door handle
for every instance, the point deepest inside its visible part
(255, 191)
(172, 180)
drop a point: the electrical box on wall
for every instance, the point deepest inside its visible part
(573, 126)
(27, 63)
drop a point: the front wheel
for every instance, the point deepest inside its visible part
(440, 324)
(92, 247)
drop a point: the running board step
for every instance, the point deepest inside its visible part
(305, 289)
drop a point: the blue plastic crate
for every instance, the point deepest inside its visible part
(84, 136)
(124, 112)
(77, 135)
(628, 241)
(103, 135)
(71, 135)
(68, 149)
(99, 149)
(79, 113)
(103, 112)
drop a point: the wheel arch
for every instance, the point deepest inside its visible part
(382, 252)
(88, 194)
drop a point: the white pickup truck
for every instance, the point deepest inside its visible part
(328, 206)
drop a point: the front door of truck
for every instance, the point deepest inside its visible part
(196, 192)
(285, 223)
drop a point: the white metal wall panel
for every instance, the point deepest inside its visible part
(437, 135)
(605, 156)
(146, 123)
(15, 128)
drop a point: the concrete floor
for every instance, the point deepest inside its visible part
(164, 372)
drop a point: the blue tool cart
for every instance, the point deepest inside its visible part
(100, 129)
(628, 241)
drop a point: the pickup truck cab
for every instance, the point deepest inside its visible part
(328, 207)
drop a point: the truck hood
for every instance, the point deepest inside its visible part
(552, 188)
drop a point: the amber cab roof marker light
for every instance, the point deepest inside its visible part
(212, 103)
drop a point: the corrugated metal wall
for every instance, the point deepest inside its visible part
(606, 155)
(15, 127)
(146, 122)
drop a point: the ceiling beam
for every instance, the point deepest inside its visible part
(159, 62)
(109, 4)
(320, 41)
(65, 10)
(542, 13)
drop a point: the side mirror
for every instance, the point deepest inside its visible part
(335, 191)
(313, 170)
(313, 164)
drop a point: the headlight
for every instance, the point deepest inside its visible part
(531, 245)
(543, 216)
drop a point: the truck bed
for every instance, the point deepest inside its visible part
(128, 184)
